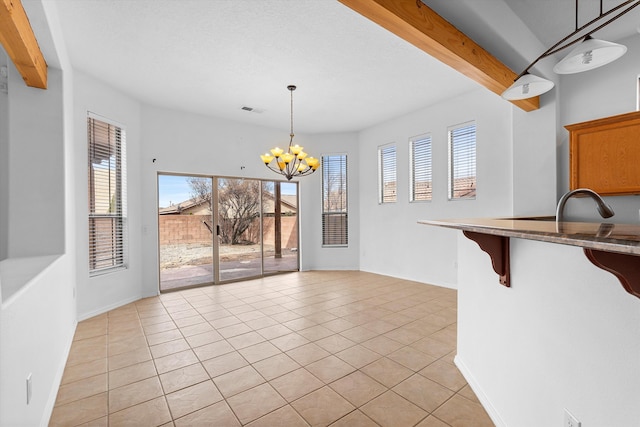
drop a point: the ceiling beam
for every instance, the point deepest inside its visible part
(418, 24)
(19, 41)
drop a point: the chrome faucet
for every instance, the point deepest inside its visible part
(604, 209)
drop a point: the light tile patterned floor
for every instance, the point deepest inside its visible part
(310, 348)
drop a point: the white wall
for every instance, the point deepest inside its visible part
(36, 168)
(38, 317)
(36, 329)
(188, 143)
(104, 292)
(391, 241)
(565, 335)
(534, 159)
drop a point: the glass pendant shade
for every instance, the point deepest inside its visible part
(527, 86)
(590, 54)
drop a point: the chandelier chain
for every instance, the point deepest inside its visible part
(291, 88)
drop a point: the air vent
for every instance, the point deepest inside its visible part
(251, 109)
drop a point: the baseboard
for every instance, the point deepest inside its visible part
(482, 397)
(57, 380)
(85, 316)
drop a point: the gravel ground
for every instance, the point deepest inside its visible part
(172, 256)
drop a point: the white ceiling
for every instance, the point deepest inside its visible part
(213, 57)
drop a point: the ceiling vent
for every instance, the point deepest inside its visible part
(251, 109)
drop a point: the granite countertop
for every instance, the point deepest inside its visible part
(620, 238)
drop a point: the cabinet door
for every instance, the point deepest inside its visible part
(604, 154)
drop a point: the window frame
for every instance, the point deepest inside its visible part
(452, 170)
(413, 169)
(115, 243)
(343, 209)
(382, 199)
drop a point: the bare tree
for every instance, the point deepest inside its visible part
(238, 204)
(201, 189)
(238, 207)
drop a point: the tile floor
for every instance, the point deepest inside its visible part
(309, 348)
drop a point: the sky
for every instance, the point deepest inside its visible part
(173, 189)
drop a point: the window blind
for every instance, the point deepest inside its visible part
(335, 229)
(387, 167)
(462, 162)
(421, 175)
(107, 195)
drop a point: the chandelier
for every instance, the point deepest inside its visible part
(294, 162)
(589, 54)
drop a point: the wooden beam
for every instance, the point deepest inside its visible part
(416, 23)
(18, 40)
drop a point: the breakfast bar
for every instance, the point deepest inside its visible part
(611, 247)
(557, 326)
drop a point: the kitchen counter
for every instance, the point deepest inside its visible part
(620, 238)
(612, 247)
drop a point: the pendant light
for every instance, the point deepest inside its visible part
(527, 86)
(589, 54)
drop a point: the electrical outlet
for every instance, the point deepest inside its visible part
(29, 388)
(570, 420)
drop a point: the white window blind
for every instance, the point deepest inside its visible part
(387, 171)
(462, 162)
(335, 229)
(421, 176)
(107, 196)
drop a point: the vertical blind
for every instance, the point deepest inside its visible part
(107, 195)
(334, 200)
(462, 162)
(388, 182)
(421, 176)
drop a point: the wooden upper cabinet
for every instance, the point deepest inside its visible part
(604, 154)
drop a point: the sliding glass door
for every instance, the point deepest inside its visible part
(218, 229)
(185, 231)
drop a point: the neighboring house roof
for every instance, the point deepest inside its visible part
(288, 202)
(182, 206)
(196, 204)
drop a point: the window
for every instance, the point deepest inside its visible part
(462, 162)
(334, 200)
(421, 182)
(107, 195)
(387, 171)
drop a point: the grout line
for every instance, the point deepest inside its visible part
(308, 295)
